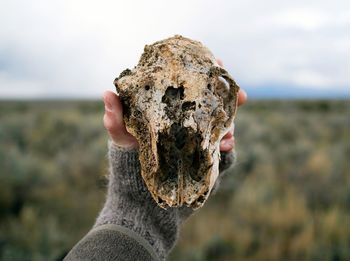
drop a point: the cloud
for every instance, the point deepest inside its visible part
(76, 48)
(15, 87)
(301, 18)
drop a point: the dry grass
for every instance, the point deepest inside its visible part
(287, 198)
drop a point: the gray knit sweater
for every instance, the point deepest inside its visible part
(131, 226)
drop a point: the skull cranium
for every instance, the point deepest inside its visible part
(178, 103)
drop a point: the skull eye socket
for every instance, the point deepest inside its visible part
(223, 86)
(172, 93)
(222, 89)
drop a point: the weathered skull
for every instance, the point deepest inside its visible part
(178, 103)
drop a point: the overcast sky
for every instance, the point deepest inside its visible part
(76, 48)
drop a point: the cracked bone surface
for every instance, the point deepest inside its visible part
(178, 103)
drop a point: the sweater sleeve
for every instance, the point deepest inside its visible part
(130, 205)
(112, 242)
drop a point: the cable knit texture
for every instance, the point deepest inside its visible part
(130, 204)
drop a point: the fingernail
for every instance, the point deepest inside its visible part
(227, 142)
(223, 143)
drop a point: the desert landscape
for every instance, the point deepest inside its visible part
(288, 197)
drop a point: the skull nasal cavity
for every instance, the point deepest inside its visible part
(180, 134)
(172, 93)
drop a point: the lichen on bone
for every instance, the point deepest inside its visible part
(178, 103)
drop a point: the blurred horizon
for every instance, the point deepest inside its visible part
(254, 93)
(293, 92)
(257, 96)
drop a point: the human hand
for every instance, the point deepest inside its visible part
(114, 123)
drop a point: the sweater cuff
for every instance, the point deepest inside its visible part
(125, 172)
(227, 160)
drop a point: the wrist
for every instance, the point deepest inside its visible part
(227, 160)
(124, 146)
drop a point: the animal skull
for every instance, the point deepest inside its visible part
(178, 103)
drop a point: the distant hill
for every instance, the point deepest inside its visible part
(268, 91)
(292, 92)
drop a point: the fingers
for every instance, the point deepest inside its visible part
(242, 97)
(226, 145)
(113, 107)
(220, 62)
(227, 142)
(114, 123)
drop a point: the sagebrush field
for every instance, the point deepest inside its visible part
(287, 198)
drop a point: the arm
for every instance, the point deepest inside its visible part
(131, 226)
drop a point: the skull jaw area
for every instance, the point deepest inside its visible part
(187, 171)
(183, 168)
